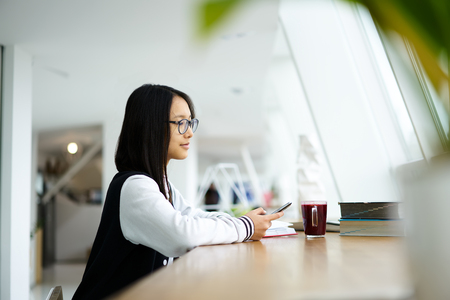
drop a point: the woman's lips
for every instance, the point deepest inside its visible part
(185, 146)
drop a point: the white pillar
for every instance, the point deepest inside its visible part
(15, 174)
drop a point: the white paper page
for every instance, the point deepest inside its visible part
(278, 224)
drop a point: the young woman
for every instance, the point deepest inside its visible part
(145, 221)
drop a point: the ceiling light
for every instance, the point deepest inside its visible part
(72, 148)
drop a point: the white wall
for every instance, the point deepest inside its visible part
(16, 174)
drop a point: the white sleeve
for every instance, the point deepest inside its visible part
(147, 218)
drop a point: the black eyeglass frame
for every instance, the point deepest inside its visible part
(190, 124)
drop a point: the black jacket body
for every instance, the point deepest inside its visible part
(115, 262)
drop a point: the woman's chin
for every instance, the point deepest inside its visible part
(179, 157)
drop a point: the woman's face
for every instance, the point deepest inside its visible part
(179, 143)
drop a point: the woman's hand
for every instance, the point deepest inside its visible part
(261, 222)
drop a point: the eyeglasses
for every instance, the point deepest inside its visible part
(184, 124)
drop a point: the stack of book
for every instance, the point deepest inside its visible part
(332, 226)
(371, 219)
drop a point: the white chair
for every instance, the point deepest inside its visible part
(55, 293)
(224, 186)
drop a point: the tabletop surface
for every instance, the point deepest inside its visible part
(291, 267)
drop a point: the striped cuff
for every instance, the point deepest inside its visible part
(249, 227)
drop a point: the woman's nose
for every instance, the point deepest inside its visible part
(189, 133)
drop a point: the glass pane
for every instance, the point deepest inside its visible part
(441, 104)
(438, 103)
(405, 129)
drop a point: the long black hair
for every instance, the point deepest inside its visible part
(144, 140)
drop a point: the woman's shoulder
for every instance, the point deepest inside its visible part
(127, 174)
(134, 178)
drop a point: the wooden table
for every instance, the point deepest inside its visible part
(291, 267)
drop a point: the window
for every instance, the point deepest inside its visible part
(405, 130)
(438, 102)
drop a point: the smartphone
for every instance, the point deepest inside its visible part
(282, 208)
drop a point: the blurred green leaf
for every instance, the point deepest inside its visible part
(240, 210)
(213, 12)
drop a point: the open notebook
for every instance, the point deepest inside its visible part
(280, 228)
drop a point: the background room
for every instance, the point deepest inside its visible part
(297, 100)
